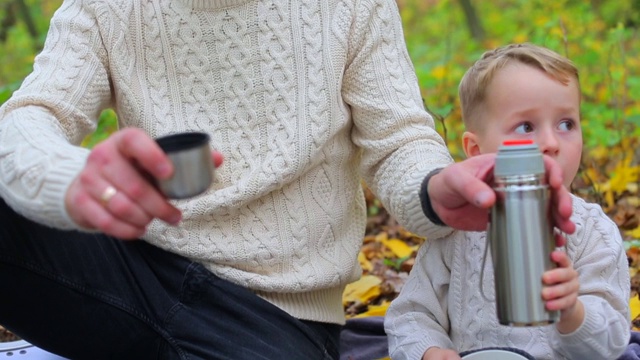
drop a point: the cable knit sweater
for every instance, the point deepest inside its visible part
(442, 305)
(304, 98)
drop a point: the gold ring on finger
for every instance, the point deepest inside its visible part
(107, 195)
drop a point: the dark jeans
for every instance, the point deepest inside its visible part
(89, 296)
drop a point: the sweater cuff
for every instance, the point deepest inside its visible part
(425, 201)
(55, 189)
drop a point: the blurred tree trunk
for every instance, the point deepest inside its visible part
(473, 21)
(8, 20)
(27, 18)
(13, 10)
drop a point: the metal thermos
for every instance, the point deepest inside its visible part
(521, 235)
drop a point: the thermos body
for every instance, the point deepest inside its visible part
(521, 237)
(521, 244)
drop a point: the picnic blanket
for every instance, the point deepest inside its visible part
(365, 339)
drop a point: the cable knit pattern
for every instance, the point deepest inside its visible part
(304, 98)
(442, 304)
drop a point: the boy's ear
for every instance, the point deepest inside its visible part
(470, 144)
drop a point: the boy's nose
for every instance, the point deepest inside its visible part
(549, 143)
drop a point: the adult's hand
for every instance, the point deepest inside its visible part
(113, 193)
(461, 196)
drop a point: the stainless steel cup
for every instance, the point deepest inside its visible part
(193, 168)
(521, 236)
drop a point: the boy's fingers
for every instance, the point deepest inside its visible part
(566, 286)
(562, 302)
(557, 276)
(561, 207)
(560, 240)
(554, 172)
(560, 197)
(561, 258)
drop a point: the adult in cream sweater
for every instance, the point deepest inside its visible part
(303, 98)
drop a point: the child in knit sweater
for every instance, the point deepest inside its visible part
(518, 92)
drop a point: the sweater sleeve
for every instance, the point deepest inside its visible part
(418, 318)
(399, 143)
(600, 259)
(43, 123)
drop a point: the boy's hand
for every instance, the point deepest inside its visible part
(436, 353)
(561, 293)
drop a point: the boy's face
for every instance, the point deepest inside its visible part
(523, 102)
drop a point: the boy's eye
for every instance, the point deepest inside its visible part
(566, 125)
(524, 128)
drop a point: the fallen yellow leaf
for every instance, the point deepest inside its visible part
(634, 307)
(382, 237)
(609, 199)
(365, 264)
(602, 187)
(375, 310)
(363, 290)
(398, 247)
(599, 153)
(624, 174)
(635, 233)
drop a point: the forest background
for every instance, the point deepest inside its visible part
(444, 38)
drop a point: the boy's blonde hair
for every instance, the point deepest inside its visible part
(472, 89)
